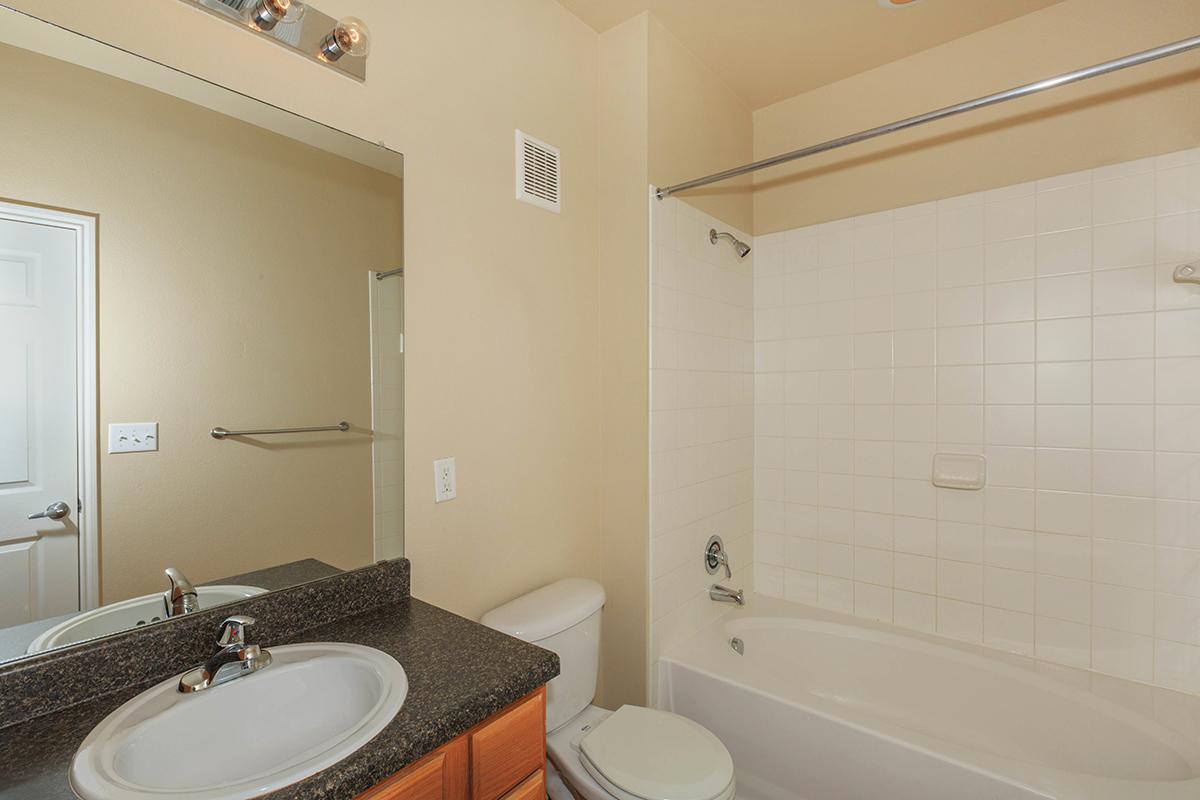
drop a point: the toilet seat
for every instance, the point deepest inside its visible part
(642, 754)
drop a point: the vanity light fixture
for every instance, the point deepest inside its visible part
(266, 14)
(338, 44)
(349, 37)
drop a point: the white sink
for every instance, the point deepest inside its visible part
(313, 706)
(127, 614)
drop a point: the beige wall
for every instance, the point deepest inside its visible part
(697, 126)
(624, 366)
(664, 116)
(209, 317)
(387, 407)
(501, 297)
(1143, 111)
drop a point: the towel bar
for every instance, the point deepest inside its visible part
(221, 433)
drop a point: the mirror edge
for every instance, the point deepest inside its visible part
(25, 31)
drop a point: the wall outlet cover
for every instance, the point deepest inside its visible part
(133, 437)
(445, 480)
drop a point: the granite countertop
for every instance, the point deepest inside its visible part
(281, 576)
(459, 673)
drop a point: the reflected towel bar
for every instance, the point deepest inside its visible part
(221, 433)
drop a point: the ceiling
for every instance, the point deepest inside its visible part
(769, 50)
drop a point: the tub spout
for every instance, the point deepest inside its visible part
(723, 594)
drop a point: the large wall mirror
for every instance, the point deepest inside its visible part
(176, 258)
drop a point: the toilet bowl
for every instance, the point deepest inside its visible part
(638, 753)
(633, 753)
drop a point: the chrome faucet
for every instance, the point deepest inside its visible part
(715, 557)
(723, 594)
(234, 658)
(181, 598)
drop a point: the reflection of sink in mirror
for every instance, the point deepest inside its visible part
(247, 737)
(130, 614)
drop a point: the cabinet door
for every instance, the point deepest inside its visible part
(509, 748)
(534, 788)
(441, 775)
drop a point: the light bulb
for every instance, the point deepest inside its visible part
(349, 37)
(295, 11)
(266, 14)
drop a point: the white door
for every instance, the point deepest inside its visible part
(39, 461)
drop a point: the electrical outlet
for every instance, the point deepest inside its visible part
(133, 437)
(445, 480)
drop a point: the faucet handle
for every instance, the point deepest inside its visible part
(715, 557)
(723, 558)
(233, 630)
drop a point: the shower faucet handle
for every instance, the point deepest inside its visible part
(715, 557)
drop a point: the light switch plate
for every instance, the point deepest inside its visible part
(133, 437)
(445, 480)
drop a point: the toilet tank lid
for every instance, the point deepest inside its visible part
(548, 610)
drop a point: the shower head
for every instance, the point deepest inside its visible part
(739, 246)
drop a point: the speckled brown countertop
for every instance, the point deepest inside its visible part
(459, 673)
(280, 577)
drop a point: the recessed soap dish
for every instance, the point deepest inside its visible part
(959, 471)
(1188, 273)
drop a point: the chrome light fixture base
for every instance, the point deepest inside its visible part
(305, 34)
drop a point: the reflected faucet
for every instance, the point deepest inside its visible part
(181, 598)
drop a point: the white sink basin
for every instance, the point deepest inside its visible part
(130, 614)
(313, 706)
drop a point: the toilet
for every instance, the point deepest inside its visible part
(632, 753)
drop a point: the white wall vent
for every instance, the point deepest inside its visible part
(538, 173)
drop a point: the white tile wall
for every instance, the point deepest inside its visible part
(1037, 325)
(701, 415)
(387, 401)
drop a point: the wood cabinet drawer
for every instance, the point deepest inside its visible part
(534, 788)
(509, 748)
(441, 775)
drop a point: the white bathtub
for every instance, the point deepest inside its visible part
(826, 707)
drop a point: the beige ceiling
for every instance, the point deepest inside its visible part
(769, 50)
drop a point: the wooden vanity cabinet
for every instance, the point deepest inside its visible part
(502, 758)
(532, 788)
(441, 775)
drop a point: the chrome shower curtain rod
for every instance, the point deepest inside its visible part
(1144, 57)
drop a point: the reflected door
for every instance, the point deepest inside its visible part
(39, 558)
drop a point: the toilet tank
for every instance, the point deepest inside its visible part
(564, 617)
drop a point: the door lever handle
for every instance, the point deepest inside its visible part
(55, 511)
